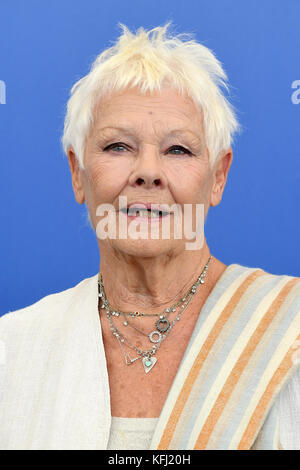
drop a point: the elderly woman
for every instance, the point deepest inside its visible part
(166, 347)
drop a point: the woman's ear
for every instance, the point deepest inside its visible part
(221, 169)
(76, 176)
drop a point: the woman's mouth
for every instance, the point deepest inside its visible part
(144, 213)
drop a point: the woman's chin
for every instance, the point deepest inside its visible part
(145, 247)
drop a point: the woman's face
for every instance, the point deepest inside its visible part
(150, 148)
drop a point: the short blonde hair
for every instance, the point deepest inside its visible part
(148, 60)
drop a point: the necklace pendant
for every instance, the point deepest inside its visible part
(162, 325)
(130, 361)
(148, 363)
(158, 336)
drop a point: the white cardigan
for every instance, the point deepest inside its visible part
(54, 388)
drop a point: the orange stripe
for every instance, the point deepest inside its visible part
(257, 416)
(201, 357)
(240, 366)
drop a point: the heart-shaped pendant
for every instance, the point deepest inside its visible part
(148, 363)
(162, 325)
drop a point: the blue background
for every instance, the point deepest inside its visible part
(45, 46)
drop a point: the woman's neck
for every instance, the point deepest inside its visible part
(151, 284)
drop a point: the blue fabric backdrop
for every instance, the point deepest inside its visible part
(46, 243)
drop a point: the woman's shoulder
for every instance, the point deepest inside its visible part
(48, 331)
(47, 308)
(254, 267)
(237, 269)
(254, 288)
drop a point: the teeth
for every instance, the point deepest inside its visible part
(140, 212)
(146, 213)
(155, 213)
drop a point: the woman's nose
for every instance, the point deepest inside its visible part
(148, 171)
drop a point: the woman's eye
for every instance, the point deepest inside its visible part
(121, 147)
(118, 147)
(179, 150)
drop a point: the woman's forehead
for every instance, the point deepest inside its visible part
(167, 97)
(129, 110)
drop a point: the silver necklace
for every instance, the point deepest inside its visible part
(163, 325)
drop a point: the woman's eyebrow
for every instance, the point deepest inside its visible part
(124, 130)
(131, 132)
(181, 132)
(193, 139)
